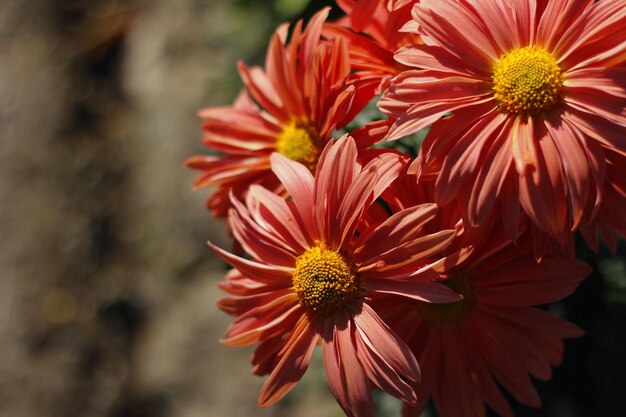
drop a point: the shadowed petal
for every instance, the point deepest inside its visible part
(279, 217)
(298, 182)
(276, 316)
(398, 228)
(294, 360)
(266, 273)
(384, 343)
(430, 292)
(451, 25)
(347, 380)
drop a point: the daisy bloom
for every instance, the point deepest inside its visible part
(493, 337)
(533, 94)
(314, 269)
(302, 96)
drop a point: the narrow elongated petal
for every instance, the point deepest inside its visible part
(298, 182)
(347, 380)
(386, 344)
(261, 272)
(292, 365)
(430, 292)
(401, 226)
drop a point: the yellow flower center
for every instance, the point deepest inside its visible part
(297, 142)
(451, 312)
(324, 280)
(527, 81)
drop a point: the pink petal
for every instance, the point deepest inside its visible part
(408, 258)
(523, 146)
(503, 366)
(264, 358)
(570, 144)
(220, 170)
(261, 88)
(430, 292)
(609, 80)
(489, 390)
(375, 177)
(595, 101)
(523, 282)
(362, 13)
(265, 273)
(451, 25)
(456, 394)
(461, 163)
(357, 199)
(257, 241)
(281, 71)
(542, 322)
(294, 360)
(436, 58)
(498, 19)
(277, 216)
(421, 116)
(298, 182)
(241, 304)
(542, 191)
(398, 228)
(598, 30)
(311, 36)
(346, 378)
(524, 12)
(521, 344)
(558, 16)
(489, 182)
(264, 322)
(596, 127)
(336, 171)
(384, 343)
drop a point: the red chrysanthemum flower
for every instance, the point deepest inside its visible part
(493, 337)
(304, 93)
(537, 95)
(373, 40)
(314, 269)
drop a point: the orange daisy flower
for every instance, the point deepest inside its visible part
(302, 96)
(491, 338)
(537, 92)
(311, 277)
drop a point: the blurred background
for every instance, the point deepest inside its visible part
(107, 288)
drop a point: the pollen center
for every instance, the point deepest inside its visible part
(527, 81)
(296, 142)
(324, 280)
(460, 283)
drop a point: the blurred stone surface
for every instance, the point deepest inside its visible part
(107, 296)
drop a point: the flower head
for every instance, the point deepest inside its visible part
(536, 94)
(304, 93)
(493, 336)
(316, 266)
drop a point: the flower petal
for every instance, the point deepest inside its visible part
(383, 342)
(430, 292)
(294, 360)
(346, 378)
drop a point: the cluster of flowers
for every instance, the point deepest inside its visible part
(386, 261)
